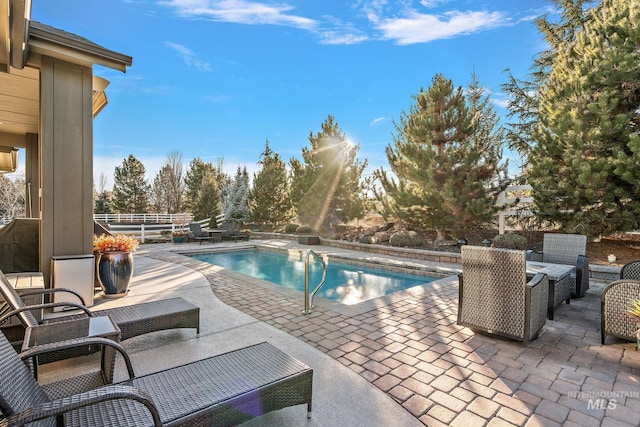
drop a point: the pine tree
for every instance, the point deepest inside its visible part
(235, 204)
(269, 199)
(208, 201)
(326, 187)
(584, 166)
(193, 181)
(103, 203)
(523, 94)
(445, 161)
(130, 189)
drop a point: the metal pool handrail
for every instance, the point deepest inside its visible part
(308, 299)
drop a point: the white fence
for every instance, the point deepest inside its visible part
(513, 194)
(145, 232)
(181, 218)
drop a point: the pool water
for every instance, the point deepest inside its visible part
(347, 284)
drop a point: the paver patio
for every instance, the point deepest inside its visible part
(444, 374)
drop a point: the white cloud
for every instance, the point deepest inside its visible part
(189, 57)
(240, 12)
(336, 37)
(432, 3)
(422, 28)
(377, 121)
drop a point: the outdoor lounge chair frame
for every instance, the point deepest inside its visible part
(197, 233)
(133, 320)
(569, 249)
(222, 390)
(494, 296)
(614, 302)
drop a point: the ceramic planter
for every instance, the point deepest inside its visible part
(115, 270)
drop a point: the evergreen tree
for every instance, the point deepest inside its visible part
(584, 166)
(235, 204)
(102, 198)
(193, 181)
(523, 99)
(208, 201)
(269, 199)
(445, 163)
(326, 187)
(130, 189)
(103, 203)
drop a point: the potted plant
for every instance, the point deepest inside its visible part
(634, 313)
(178, 236)
(114, 262)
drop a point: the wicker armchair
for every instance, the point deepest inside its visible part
(222, 390)
(631, 270)
(615, 300)
(567, 249)
(495, 297)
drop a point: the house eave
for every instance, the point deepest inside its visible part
(49, 41)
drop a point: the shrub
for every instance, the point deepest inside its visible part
(509, 241)
(304, 229)
(290, 228)
(405, 239)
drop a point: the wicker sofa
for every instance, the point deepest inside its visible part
(614, 301)
(569, 249)
(223, 390)
(495, 297)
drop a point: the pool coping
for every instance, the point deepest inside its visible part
(448, 276)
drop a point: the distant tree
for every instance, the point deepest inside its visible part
(12, 197)
(269, 199)
(445, 161)
(235, 203)
(208, 201)
(158, 196)
(102, 197)
(193, 181)
(584, 165)
(168, 186)
(326, 185)
(130, 188)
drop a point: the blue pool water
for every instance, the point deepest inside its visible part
(345, 283)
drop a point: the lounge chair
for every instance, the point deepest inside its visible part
(223, 390)
(614, 302)
(494, 296)
(197, 233)
(133, 320)
(569, 249)
(231, 232)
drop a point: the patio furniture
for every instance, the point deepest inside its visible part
(631, 270)
(133, 320)
(559, 276)
(615, 300)
(197, 233)
(567, 249)
(231, 232)
(495, 297)
(222, 390)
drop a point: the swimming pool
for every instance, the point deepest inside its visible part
(347, 284)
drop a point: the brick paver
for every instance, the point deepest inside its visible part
(445, 374)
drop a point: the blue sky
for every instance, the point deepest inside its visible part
(216, 79)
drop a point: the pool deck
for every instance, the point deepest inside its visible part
(400, 360)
